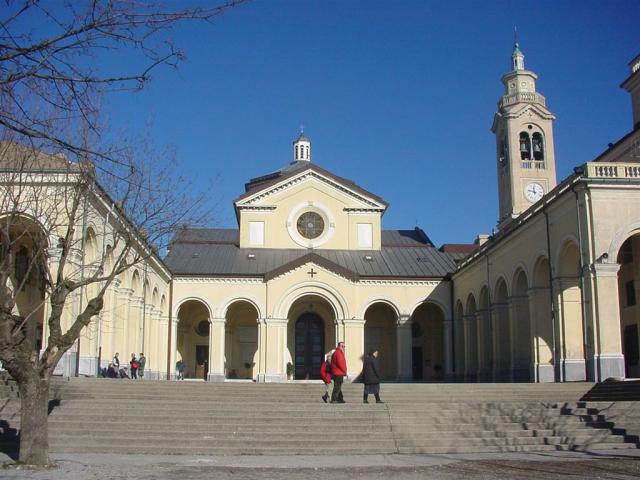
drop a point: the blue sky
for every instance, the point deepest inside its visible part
(397, 96)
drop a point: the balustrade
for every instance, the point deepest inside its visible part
(613, 170)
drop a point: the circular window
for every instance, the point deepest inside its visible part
(310, 225)
(202, 328)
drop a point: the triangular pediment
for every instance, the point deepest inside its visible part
(531, 109)
(310, 260)
(261, 195)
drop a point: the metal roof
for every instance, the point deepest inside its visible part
(216, 252)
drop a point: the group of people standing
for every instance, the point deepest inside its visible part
(136, 367)
(335, 368)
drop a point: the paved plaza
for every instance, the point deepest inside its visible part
(550, 466)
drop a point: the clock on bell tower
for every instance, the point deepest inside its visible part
(523, 127)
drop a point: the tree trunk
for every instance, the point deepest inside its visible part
(34, 426)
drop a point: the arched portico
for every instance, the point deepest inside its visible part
(428, 343)
(311, 334)
(192, 338)
(628, 294)
(241, 340)
(380, 332)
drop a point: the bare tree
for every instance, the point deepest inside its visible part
(56, 170)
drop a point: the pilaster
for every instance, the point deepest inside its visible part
(404, 348)
(216, 350)
(273, 346)
(354, 344)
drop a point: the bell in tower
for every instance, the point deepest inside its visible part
(524, 142)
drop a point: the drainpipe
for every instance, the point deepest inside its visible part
(104, 241)
(585, 340)
(556, 365)
(489, 313)
(144, 304)
(170, 327)
(453, 322)
(83, 288)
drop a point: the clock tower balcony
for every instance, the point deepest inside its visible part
(533, 164)
(522, 97)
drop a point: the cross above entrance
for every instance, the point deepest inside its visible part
(312, 272)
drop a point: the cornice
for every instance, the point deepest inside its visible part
(238, 280)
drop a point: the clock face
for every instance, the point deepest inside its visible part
(310, 225)
(533, 192)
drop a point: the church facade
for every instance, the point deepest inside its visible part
(550, 296)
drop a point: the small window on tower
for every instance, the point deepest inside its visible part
(297, 152)
(525, 146)
(538, 147)
(307, 148)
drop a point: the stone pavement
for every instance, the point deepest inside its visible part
(550, 466)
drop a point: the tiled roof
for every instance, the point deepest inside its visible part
(216, 252)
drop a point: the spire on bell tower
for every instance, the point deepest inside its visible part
(301, 147)
(517, 57)
(524, 141)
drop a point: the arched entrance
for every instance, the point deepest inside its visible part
(23, 249)
(311, 334)
(542, 322)
(192, 338)
(380, 331)
(501, 334)
(628, 284)
(309, 348)
(427, 333)
(241, 341)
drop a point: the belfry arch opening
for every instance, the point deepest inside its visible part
(192, 338)
(427, 334)
(241, 341)
(311, 335)
(628, 295)
(380, 332)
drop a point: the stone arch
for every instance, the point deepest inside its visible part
(522, 342)
(378, 299)
(163, 305)
(241, 339)
(225, 304)
(331, 295)
(135, 284)
(569, 298)
(380, 331)
(192, 336)
(621, 235)
(154, 298)
(542, 324)
(428, 342)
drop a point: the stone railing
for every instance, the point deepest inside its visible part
(533, 164)
(522, 97)
(613, 170)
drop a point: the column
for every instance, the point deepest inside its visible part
(501, 342)
(353, 331)
(447, 331)
(273, 344)
(607, 359)
(471, 348)
(173, 349)
(459, 345)
(404, 349)
(541, 334)
(217, 333)
(570, 325)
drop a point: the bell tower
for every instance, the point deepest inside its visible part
(523, 127)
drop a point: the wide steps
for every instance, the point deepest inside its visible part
(233, 418)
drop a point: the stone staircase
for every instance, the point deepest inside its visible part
(197, 418)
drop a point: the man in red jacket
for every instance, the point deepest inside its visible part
(339, 371)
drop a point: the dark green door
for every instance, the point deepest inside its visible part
(309, 346)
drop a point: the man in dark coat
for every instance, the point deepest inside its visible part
(371, 376)
(339, 371)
